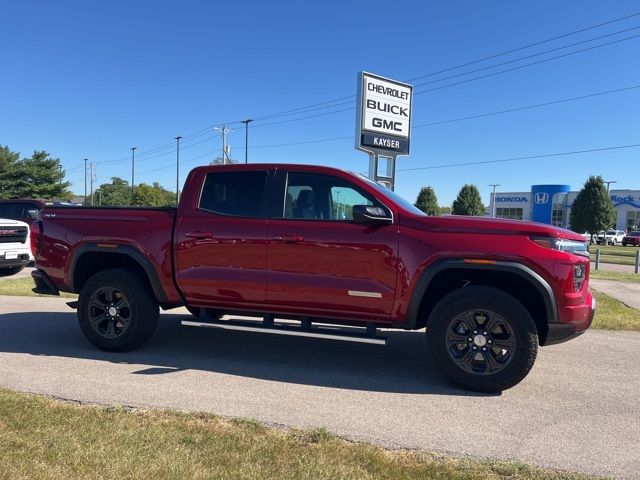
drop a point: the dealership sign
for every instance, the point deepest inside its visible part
(383, 116)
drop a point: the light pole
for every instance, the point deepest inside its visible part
(91, 179)
(246, 139)
(85, 182)
(177, 168)
(133, 165)
(493, 198)
(609, 183)
(223, 133)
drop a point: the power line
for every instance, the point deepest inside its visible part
(514, 159)
(526, 65)
(529, 56)
(524, 47)
(516, 109)
(500, 54)
(441, 122)
(333, 103)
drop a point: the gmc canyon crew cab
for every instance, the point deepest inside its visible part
(317, 251)
(15, 246)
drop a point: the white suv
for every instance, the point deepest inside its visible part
(614, 237)
(15, 246)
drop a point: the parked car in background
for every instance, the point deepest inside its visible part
(15, 246)
(23, 209)
(631, 238)
(614, 237)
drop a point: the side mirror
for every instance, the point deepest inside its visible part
(370, 214)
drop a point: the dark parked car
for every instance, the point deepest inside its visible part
(22, 209)
(631, 238)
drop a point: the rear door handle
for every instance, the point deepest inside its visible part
(289, 238)
(198, 234)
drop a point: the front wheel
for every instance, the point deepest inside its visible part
(482, 339)
(117, 310)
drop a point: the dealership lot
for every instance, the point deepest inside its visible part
(558, 417)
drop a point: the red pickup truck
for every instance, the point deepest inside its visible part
(317, 251)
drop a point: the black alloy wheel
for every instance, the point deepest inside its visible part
(480, 342)
(117, 310)
(109, 312)
(481, 338)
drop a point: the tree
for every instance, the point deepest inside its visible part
(154, 196)
(38, 176)
(8, 160)
(116, 193)
(468, 202)
(592, 210)
(427, 201)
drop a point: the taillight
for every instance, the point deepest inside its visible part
(36, 238)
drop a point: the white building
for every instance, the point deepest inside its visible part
(552, 204)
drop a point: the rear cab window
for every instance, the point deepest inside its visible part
(238, 194)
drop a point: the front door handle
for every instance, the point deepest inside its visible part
(198, 234)
(289, 238)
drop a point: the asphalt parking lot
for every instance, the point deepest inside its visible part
(577, 410)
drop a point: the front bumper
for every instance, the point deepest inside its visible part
(578, 320)
(21, 260)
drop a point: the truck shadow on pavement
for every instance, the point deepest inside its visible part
(402, 366)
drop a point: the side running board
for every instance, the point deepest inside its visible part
(304, 329)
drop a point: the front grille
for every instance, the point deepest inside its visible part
(13, 234)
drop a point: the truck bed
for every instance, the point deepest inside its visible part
(70, 234)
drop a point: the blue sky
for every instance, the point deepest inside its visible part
(90, 80)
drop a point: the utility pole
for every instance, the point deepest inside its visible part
(92, 179)
(609, 183)
(246, 139)
(133, 165)
(223, 133)
(85, 182)
(177, 169)
(493, 203)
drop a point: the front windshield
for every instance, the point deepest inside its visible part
(394, 196)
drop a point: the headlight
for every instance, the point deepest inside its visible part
(579, 274)
(570, 246)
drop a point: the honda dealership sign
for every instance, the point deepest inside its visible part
(383, 116)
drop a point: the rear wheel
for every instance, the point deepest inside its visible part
(117, 310)
(482, 339)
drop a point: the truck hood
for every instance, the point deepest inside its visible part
(5, 222)
(485, 225)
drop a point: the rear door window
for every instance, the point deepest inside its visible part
(240, 194)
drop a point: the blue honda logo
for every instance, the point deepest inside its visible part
(542, 197)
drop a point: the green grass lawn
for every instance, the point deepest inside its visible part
(614, 315)
(619, 255)
(618, 276)
(47, 439)
(22, 287)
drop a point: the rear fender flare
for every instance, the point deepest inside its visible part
(127, 250)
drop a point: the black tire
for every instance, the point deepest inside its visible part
(136, 310)
(209, 313)
(8, 271)
(517, 336)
